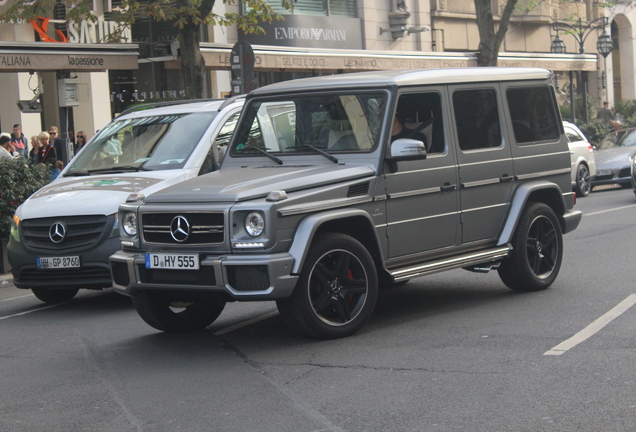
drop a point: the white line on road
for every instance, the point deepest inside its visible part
(15, 298)
(609, 210)
(593, 328)
(246, 323)
(32, 310)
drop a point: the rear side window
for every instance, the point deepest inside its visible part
(573, 136)
(533, 114)
(477, 119)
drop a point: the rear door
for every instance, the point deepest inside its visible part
(485, 160)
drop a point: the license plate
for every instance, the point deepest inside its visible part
(57, 262)
(172, 261)
(603, 172)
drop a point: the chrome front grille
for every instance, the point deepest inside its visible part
(79, 232)
(202, 228)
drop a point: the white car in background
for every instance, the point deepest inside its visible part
(582, 159)
(63, 234)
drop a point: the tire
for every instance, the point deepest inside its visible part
(537, 252)
(159, 310)
(583, 181)
(336, 292)
(55, 295)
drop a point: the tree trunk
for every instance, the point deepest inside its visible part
(489, 40)
(192, 63)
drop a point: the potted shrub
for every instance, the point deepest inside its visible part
(18, 181)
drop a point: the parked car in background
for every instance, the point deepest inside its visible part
(634, 174)
(614, 157)
(63, 234)
(582, 158)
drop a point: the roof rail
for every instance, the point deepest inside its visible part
(145, 106)
(230, 100)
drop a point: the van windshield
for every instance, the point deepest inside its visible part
(142, 144)
(344, 122)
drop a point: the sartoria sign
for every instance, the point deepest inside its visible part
(95, 32)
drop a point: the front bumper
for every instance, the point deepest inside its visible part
(234, 277)
(93, 273)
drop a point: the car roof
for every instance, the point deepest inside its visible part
(181, 107)
(393, 78)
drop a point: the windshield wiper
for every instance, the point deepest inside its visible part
(264, 152)
(76, 174)
(322, 152)
(124, 168)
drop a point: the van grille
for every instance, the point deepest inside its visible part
(80, 232)
(201, 228)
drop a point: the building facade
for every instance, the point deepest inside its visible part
(317, 37)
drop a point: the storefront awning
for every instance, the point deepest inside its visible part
(45, 56)
(269, 58)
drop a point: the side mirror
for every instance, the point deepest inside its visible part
(404, 149)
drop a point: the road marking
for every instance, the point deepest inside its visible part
(15, 298)
(609, 210)
(593, 328)
(32, 310)
(246, 323)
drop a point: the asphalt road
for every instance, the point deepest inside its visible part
(456, 351)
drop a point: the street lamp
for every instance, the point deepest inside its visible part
(581, 32)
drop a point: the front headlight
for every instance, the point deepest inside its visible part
(254, 224)
(129, 224)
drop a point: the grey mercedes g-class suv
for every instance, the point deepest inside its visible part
(334, 186)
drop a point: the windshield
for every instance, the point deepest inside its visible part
(621, 138)
(145, 143)
(333, 123)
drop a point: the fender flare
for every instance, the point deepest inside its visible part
(522, 193)
(307, 230)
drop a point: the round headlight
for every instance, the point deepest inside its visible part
(254, 224)
(130, 224)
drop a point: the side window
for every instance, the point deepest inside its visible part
(533, 114)
(217, 149)
(477, 119)
(573, 136)
(419, 116)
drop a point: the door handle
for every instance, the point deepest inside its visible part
(506, 178)
(447, 187)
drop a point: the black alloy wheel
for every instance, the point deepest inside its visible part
(336, 292)
(535, 260)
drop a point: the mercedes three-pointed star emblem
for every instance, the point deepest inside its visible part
(57, 232)
(180, 229)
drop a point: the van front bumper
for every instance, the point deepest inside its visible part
(234, 277)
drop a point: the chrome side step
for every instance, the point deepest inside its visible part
(466, 260)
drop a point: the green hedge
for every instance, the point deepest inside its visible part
(18, 181)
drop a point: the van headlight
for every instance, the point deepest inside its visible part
(129, 224)
(254, 224)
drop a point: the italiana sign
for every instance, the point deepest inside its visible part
(57, 60)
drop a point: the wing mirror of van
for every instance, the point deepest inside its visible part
(404, 149)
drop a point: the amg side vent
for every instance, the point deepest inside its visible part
(358, 190)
